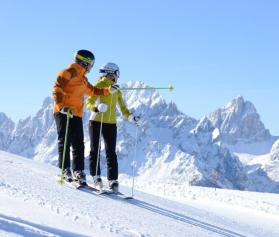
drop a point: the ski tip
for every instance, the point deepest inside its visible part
(170, 88)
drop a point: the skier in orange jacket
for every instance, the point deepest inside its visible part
(69, 90)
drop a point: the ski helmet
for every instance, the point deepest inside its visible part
(85, 58)
(110, 68)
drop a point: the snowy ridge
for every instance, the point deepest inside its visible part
(220, 166)
(58, 210)
(275, 151)
(6, 128)
(272, 163)
(31, 131)
(239, 124)
(171, 146)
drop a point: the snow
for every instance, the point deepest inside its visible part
(274, 153)
(254, 148)
(34, 204)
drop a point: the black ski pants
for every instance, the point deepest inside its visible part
(74, 140)
(109, 133)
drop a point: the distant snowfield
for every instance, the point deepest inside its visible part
(255, 148)
(33, 204)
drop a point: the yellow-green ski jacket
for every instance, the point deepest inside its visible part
(111, 101)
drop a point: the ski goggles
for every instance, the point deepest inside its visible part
(117, 73)
(88, 61)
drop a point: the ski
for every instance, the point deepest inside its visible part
(116, 194)
(89, 188)
(92, 189)
(106, 192)
(74, 184)
(95, 190)
(77, 185)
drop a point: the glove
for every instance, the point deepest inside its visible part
(113, 89)
(65, 110)
(134, 119)
(101, 108)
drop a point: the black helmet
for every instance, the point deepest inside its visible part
(85, 58)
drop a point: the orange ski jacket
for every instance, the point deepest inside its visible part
(70, 88)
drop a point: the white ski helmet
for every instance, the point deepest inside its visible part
(110, 68)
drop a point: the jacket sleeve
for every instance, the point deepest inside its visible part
(123, 106)
(90, 103)
(92, 90)
(58, 92)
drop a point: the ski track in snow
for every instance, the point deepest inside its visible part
(27, 228)
(264, 202)
(42, 207)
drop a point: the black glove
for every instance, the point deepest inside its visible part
(134, 119)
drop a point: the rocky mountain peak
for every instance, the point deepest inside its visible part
(239, 121)
(6, 128)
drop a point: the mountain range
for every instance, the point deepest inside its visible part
(229, 148)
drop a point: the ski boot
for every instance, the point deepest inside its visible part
(80, 177)
(114, 186)
(67, 175)
(98, 183)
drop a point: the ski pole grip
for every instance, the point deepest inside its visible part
(67, 111)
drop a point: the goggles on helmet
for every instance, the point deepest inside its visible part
(88, 61)
(117, 73)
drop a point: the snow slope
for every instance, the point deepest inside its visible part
(33, 204)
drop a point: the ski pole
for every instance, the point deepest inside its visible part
(134, 160)
(170, 88)
(68, 114)
(99, 145)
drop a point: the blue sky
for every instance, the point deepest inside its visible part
(211, 51)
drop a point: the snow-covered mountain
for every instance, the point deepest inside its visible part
(241, 128)
(243, 133)
(275, 151)
(6, 128)
(171, 147)
(31, 132)
(272, 163)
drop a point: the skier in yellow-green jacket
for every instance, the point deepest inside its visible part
(103, 118)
